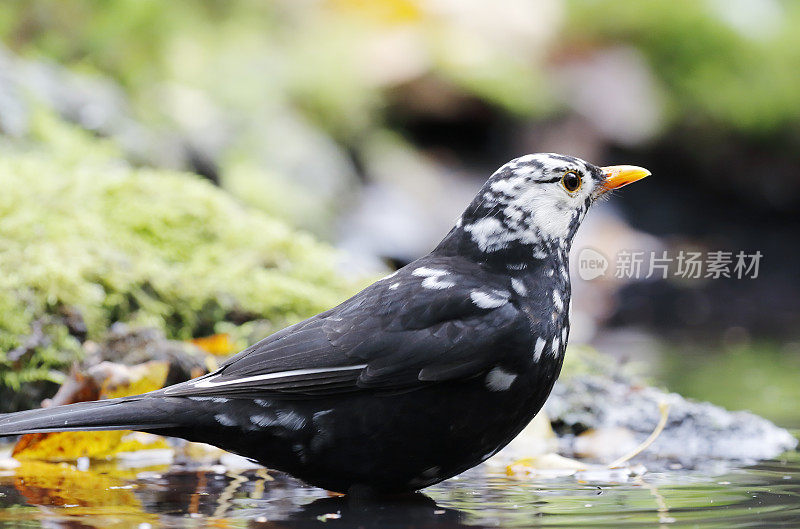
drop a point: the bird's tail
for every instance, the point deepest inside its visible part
(142, 412)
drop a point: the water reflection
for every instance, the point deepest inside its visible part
(418, 511)
(111, 496)
(106, 495)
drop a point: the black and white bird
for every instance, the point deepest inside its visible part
(418, 377)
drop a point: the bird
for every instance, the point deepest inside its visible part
(420, 376)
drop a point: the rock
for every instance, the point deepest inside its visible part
(629, 112)
(604, 444)
(697, 434)
(14, 111)
(130, 345)
(274, 152)
(96, 104)
(408, 205)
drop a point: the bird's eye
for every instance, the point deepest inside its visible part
(571, 181)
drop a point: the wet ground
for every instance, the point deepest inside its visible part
(112, 496)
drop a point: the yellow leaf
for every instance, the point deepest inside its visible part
(62, 484)
(66, 446)
(385, 11)
(69, 446)
(141, 378)
(546, 462)
(216, 344)
(79, 492)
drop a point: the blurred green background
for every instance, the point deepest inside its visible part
(201, 165)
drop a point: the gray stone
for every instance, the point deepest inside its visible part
(696, 435)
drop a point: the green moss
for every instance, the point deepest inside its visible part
(759, 376)
(584, 359)
(712, 72)
(83, 232)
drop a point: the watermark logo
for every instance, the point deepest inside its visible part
(591, 264)
(638, 264)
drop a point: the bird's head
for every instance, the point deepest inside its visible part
(534, 204)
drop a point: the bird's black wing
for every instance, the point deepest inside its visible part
(430, 322)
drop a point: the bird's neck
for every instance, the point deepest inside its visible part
(542, 280)
(516, 258)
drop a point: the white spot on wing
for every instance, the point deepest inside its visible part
(224, 420)
(394, 286)
(538, 349)
(262, 420)
(322, 413)
(434, 278)
(291, 420)
(499, 379)
(489, 300)
(558, 301)
(424, 271)
(519, 287)
(286, 419)
(556, 345)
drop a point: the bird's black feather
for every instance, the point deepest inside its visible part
(407, 335)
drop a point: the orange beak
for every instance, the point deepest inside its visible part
(622, 175)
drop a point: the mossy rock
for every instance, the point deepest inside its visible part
(86, 240)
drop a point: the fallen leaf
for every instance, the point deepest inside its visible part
(216, 344)
(546, 465)
(118, 381)
(141, 378)
(62, 484)
(99, 499)
(66, 446)
(79, 387)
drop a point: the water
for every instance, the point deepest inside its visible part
(109, 496)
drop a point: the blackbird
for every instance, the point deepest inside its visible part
(418, 377)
